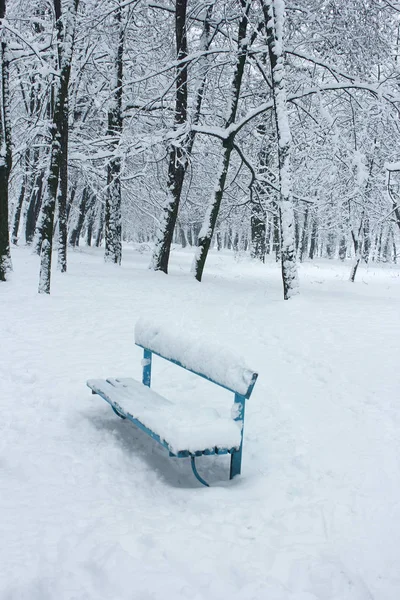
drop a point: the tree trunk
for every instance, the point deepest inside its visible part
(313, 242)
(304, 235)
(357, 251)
(5, 151)
(258, 232)
(367, 241)
(276, 239)
(274, 22)
(63, 193)
(89, 230)
(113, 220)
(210, 220)
(35, 204)
(342, 248)
(23, 192)
(76, 230)
(179, 154)
(65, 35)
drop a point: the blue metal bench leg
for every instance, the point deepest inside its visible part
(118, 414)
(236, 458)
(236, 463)
(196, 473)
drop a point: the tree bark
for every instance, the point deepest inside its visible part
(113, 218)
(274, 22)
(63, 192)
(5, 151)
(35, 204)
(210, 220)
(313, 242)
(76, 230)
(179, 155)
(65, 25)
(304, 235)
(23, 193)
(258, 232)
(357, 241)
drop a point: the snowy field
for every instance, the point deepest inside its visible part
(92, 509)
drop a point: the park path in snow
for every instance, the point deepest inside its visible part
(92, 509)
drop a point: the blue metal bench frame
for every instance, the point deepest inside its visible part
(239, 413)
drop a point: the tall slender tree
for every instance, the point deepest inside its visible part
(65, 27)
(274, 14)
(113, 218)
(180, 154)
(5, 149)
(210, 220)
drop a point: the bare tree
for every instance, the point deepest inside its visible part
(274, 21)
(65, 26)
(113, 223)
(5, 149)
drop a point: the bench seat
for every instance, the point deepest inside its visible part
(184, 429)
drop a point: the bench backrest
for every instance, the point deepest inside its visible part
(196, 354)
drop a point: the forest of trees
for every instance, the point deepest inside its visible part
(263, 126)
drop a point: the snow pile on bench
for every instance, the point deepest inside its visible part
(183, 427)
(195, 352)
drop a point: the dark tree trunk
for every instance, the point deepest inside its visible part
(236, 242)
(386, 247)
(228, 239)
(63, 192)
(6, 152)
(258, 232)
(276, 240)
(330, 246)
(357, 241)
(76, 230)
(179, 155)
(296, 232)
(304, 236)
(65, 43)
(70, 202)
(367, 241)
(113, 218)
(89, 230)
(100, 227)
(219, 241)
(268, 236)
(21, 198)
(34, 207)
(313, 243)
(207, 231)
(210, 220)
(342, 248)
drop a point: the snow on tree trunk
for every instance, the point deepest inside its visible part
(210, 219)
(180, 153)
(357, 251)
(63, 193)
(5, 151)
(34, 206)
(77, 228)
(211, 216)
(304, 235)
(65, 25)
(274, 13)
(113, 217)
(258, 232)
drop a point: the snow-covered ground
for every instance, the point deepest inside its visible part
(92, 509)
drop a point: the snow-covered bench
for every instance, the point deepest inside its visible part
(189, 430)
